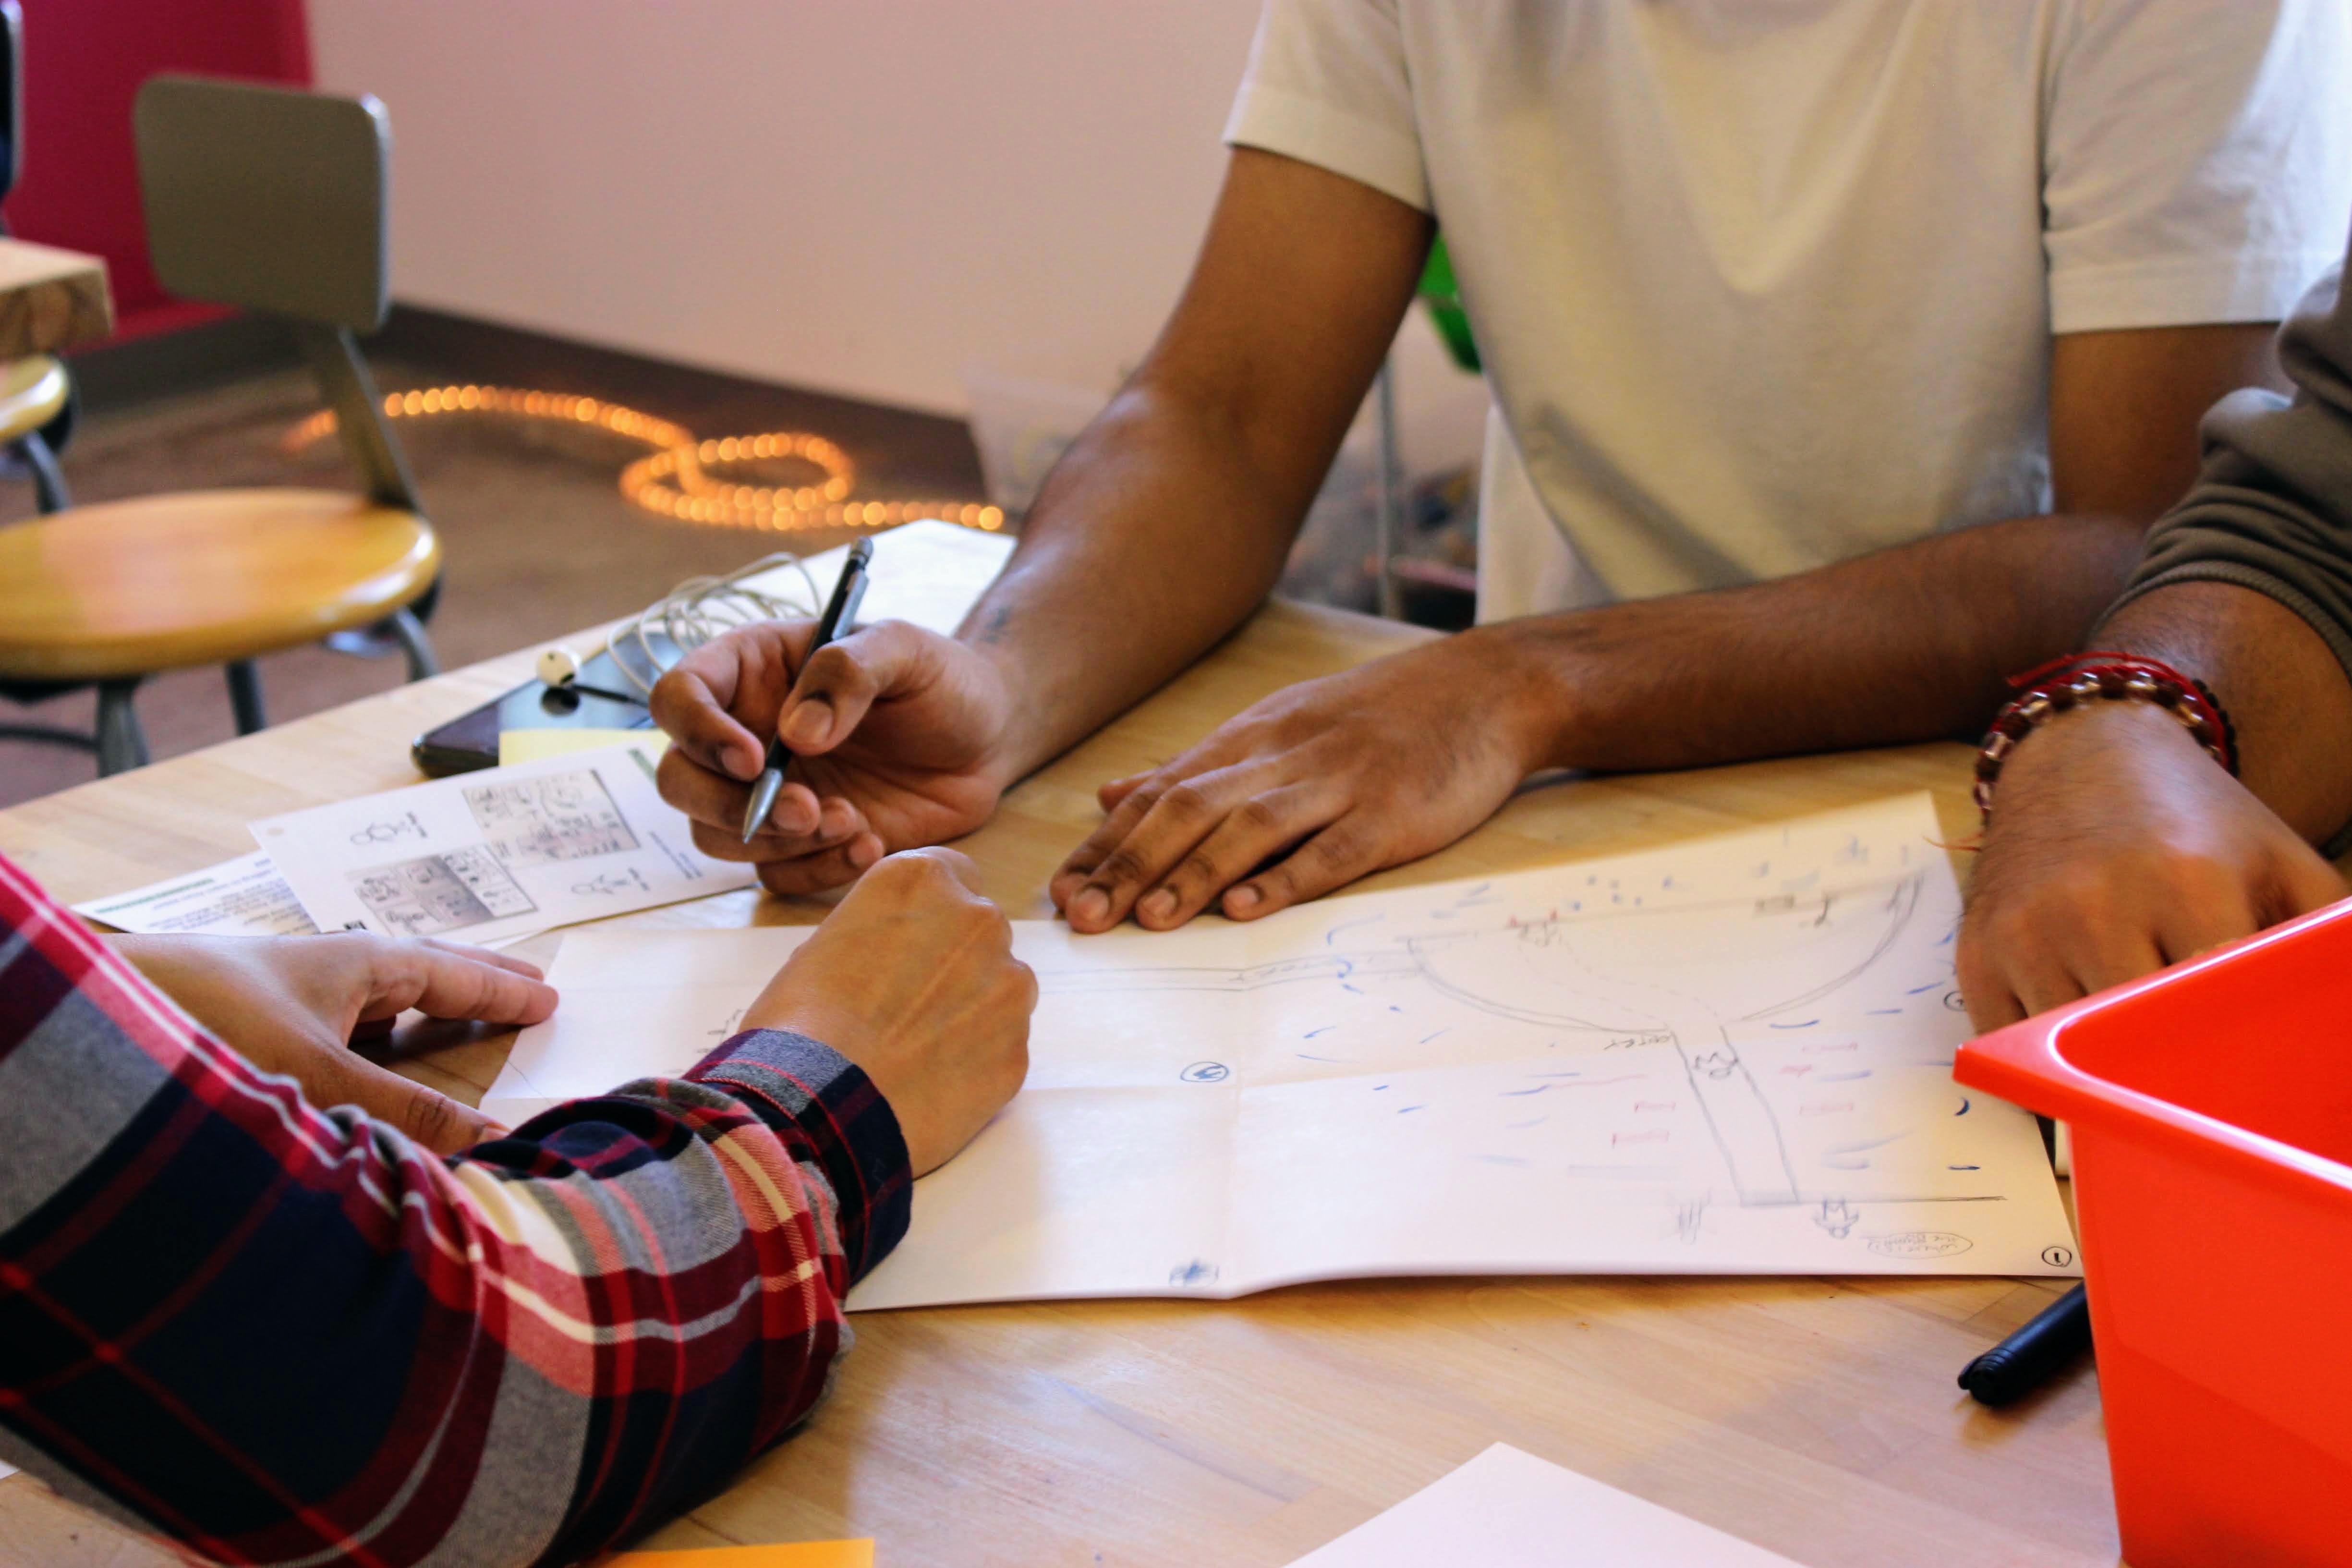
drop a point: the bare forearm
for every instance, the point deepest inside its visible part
(1908, 644)
(2282, 687)
(1169, 520)
(1153, 539)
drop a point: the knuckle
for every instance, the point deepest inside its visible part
(1186, 801)
(1335, 850)
(1257, 816)
(432, 1119)
(1122, 864)
(1199, 869)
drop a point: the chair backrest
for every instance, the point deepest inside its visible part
(271, 198)
(12, 98)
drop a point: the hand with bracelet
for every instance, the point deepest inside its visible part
(2116, 841)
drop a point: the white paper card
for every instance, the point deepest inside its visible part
(243, 897)
(929, 574)
(497, 854)
(1509, 1509)
(1731, 1055)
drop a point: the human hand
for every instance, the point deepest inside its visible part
(898, 735)
(2116, 847)
(913, 978)
(293, 1005)
(1329, 781)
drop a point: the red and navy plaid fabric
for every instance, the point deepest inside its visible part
(278, 1333)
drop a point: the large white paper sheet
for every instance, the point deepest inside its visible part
(243, 897)
(1509, 1509)
(1732, 1055)
(497, 854)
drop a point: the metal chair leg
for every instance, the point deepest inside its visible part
(245, 697)
(49, 490)
(422, 660)
(121, 743)
(1389, 522)
(49, 734)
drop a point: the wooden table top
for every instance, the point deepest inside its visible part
(1815, 1418)
(50, 298)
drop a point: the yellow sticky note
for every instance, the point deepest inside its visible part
(538, 746)
(801, 1554)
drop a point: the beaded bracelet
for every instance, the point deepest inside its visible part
(2064, 683)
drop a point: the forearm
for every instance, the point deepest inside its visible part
(1155, 536)
(1169, 520)
(2283, 687)
(345, 1342)
(1907, 644)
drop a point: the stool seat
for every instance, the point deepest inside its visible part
(32, 393)
(129, 588)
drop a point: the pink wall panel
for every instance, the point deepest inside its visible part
(84, 59)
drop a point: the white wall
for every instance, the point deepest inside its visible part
(862, 197)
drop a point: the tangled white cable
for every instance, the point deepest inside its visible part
(688, 616)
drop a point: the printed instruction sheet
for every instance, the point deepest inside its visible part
(243, 897)
(1506, 1509)
(1729, 1056)
(497, 854)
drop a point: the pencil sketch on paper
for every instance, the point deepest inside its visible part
(495, 855)
(1728, 1055)
(1623, 973)
(437, 893)
(556, 816)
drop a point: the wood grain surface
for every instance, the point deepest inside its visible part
(50, 300)
(1815, 1418)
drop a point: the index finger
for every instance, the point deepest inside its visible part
(711, 700)
(443, 985)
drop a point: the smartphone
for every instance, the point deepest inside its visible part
(471, 740)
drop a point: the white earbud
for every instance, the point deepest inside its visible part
(558, 667)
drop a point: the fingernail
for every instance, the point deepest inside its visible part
(1243, 899)
(1091, 905)
(1159, 905)
(809, 724)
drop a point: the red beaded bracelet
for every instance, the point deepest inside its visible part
(2063, 683)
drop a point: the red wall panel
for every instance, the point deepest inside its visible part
(84, 59)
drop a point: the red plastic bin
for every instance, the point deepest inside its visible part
(2212, 1107)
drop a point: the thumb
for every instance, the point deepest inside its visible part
(842, 681)
(425, 1115)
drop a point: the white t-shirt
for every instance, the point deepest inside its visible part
(1761, 285)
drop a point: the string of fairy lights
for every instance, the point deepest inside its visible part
(682, 478)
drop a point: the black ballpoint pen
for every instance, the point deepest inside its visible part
(840, 611)
(2025, 1361)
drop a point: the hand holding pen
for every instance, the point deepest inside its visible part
(899, 737)
(840, 613)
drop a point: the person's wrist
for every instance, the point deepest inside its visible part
(2066, 744)
(1021, 745)
(1522, 687)
(2102, 712)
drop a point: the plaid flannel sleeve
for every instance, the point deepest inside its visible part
(278, 1334)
